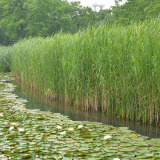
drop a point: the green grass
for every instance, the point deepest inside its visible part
(112, 69)
(5, 58)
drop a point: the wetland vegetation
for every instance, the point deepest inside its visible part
(114, 70)
(39, 101)
(33, 134)
(5, 58)
(111, 68)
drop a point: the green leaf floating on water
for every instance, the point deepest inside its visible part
(154, 142)
(33, 134)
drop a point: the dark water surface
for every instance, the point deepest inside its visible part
(36, 101)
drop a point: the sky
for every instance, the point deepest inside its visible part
(107, 3)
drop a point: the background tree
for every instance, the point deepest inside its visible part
(25, 18)
(132, 10)
(81, 16)
(153, 9)
(137, 10)
(46, 17)
(12, 23)
(106, 16)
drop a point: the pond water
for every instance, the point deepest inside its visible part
(37, 101)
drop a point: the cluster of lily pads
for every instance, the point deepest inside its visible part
(37, 135)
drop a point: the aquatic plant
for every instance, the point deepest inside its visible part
(5, 58)
(111, 69)
(33, 134)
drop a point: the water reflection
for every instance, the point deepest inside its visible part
(39, 102)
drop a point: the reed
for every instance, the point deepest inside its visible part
(5, 58)
(112, 69)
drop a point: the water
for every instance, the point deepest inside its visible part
(37, 101)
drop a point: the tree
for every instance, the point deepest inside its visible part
(12, 23)
(81, 16)
(24, 18)
(153, 9)
(47, 17)
(105, 16)
(137, 10)
(43, 17)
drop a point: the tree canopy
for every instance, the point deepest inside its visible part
(132, 10)
(30, 18)
(25, 18)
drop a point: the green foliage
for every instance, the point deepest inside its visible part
(5, 58)
(43, 18)
(113, 69)
(43, 135)
(81, 17)
(13, 19)
(132, 10)
(31, 18)
(122, 21)
(152, 10)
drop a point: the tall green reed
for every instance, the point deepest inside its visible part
(112, 69)
(5, 58)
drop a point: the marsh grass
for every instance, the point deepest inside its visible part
(5, 58)
(112, 69)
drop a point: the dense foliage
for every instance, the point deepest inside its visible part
(113, 69)
(35, 135)
(132, 10)
(25, 18)
(5, 58)
(32, 18)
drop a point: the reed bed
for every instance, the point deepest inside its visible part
(111, 69)
(5, 58)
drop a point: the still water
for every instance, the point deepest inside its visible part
(37, 101)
